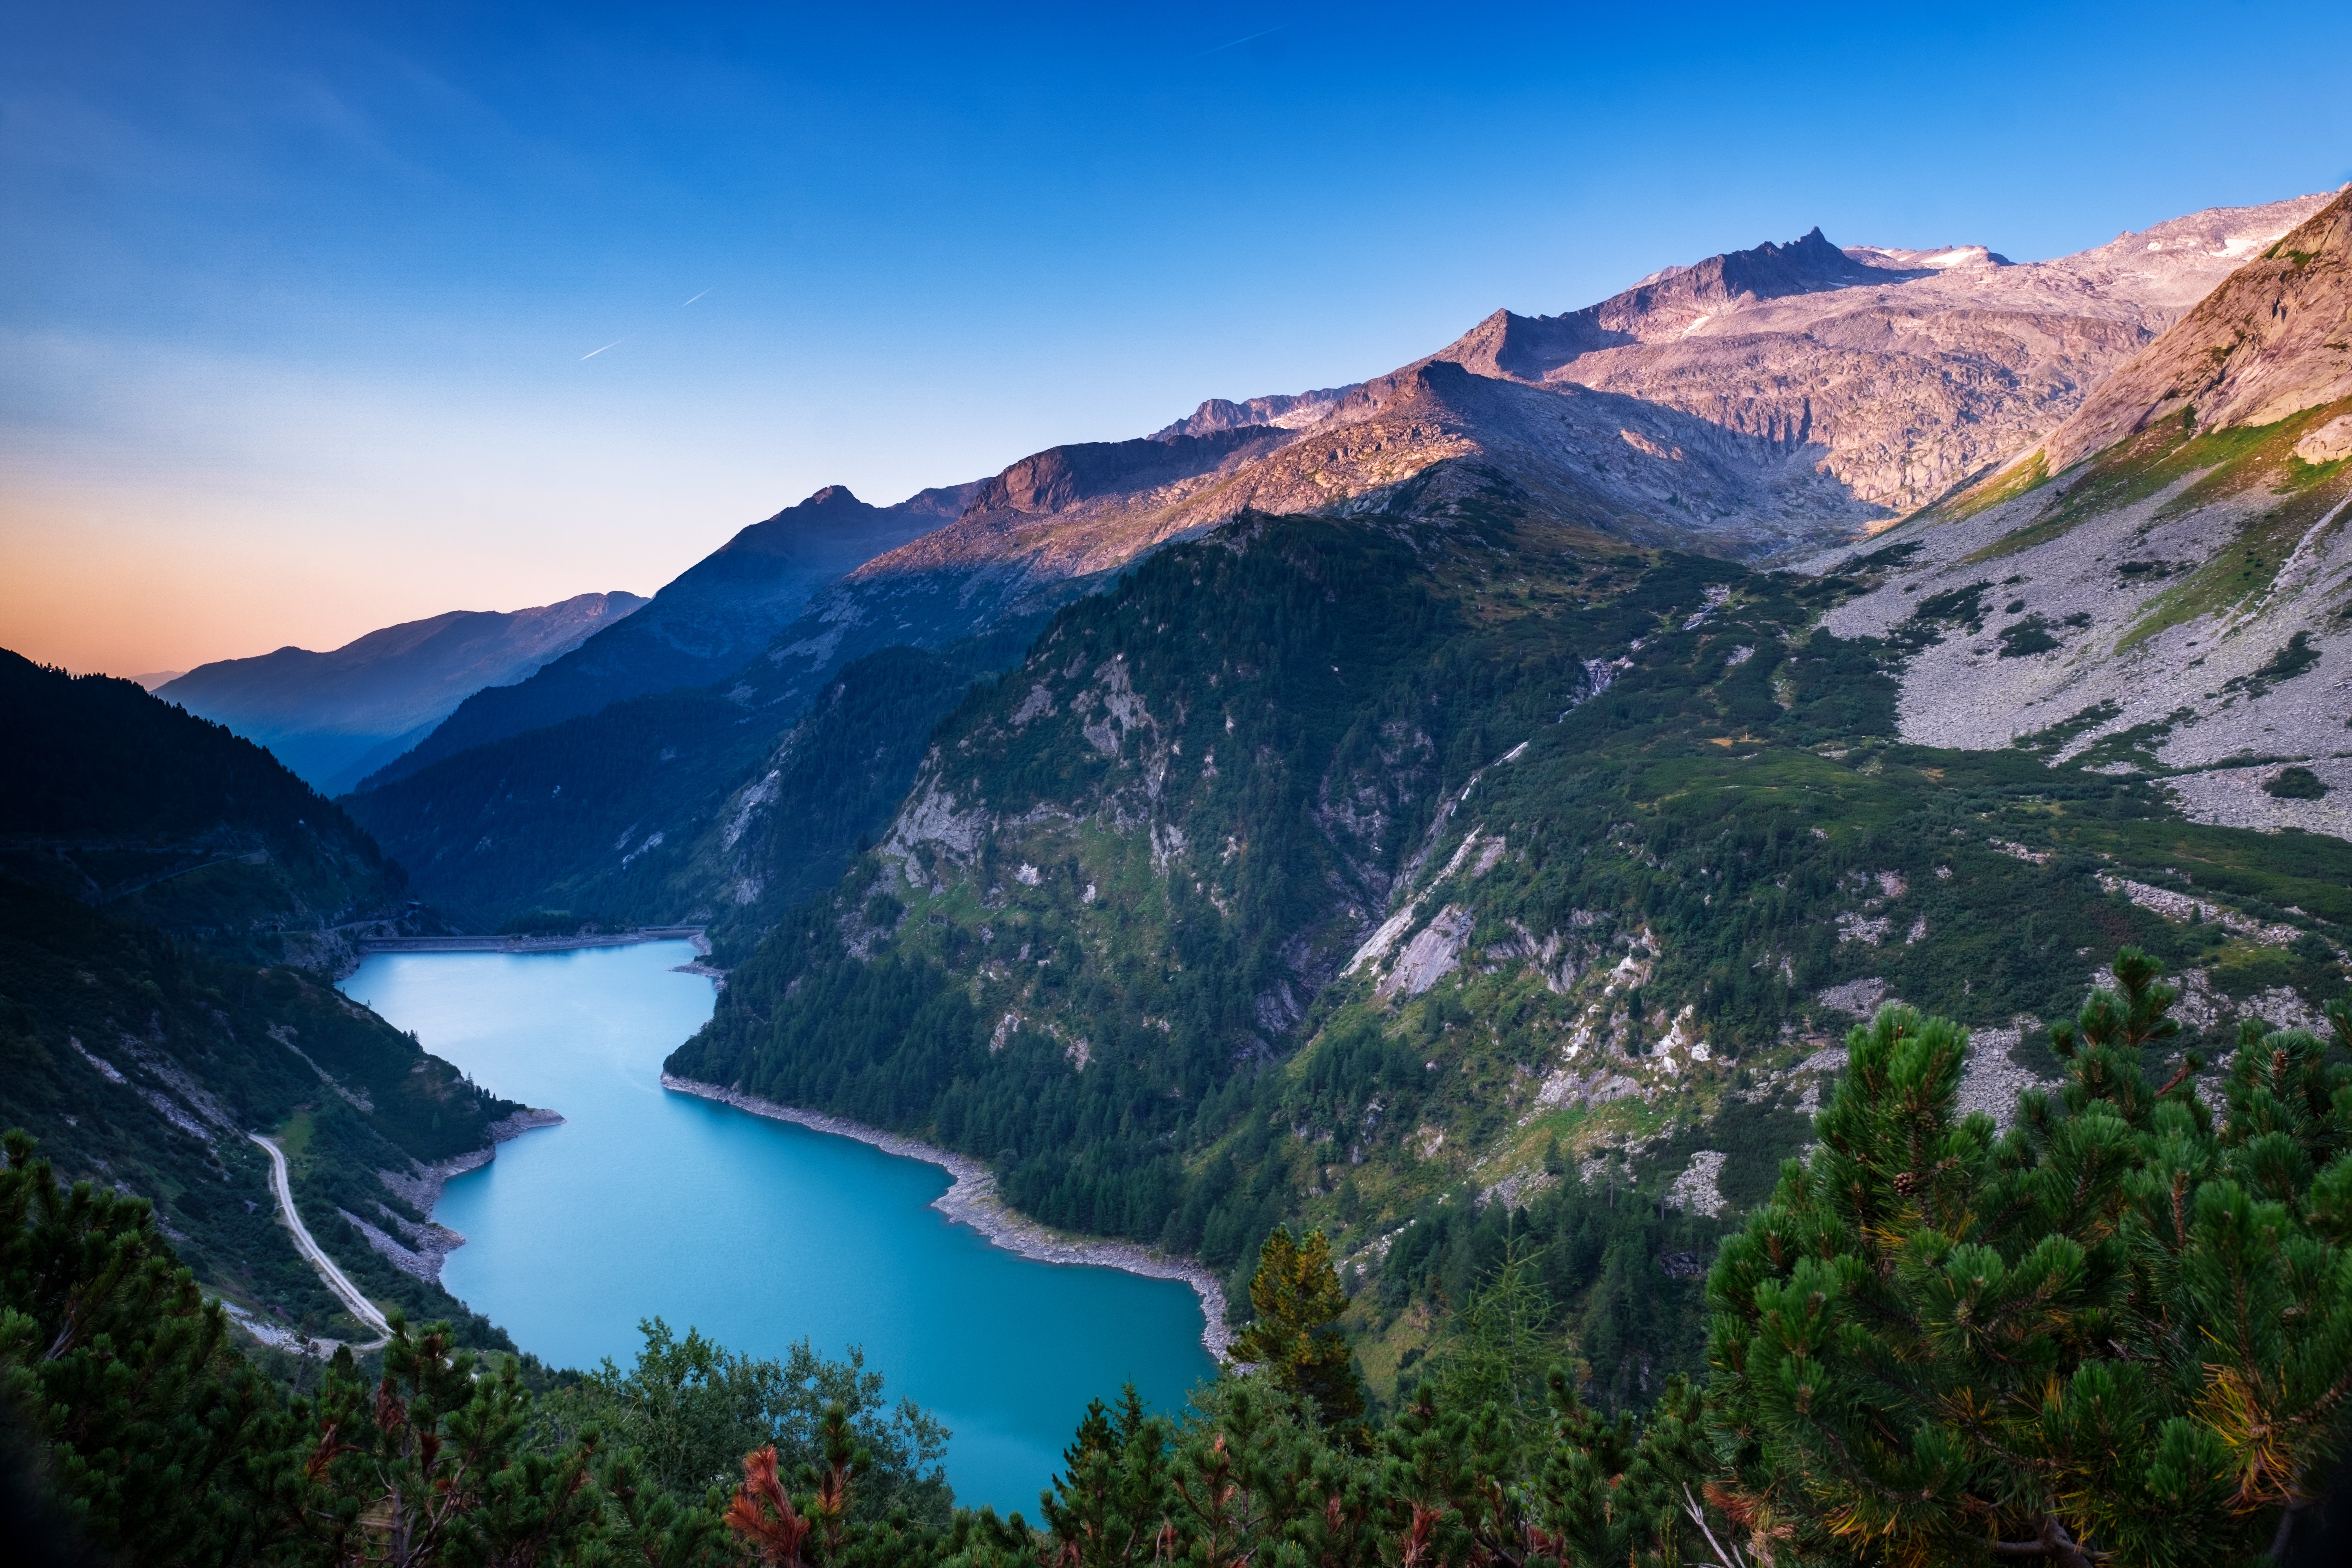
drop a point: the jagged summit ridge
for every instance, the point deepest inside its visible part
(1903, 370)
(1934, 258)
(1282, 411)
(1755, 404)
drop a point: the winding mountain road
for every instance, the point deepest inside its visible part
(359, 1306)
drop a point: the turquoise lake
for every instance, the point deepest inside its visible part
(759, 1233)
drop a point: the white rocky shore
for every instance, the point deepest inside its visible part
(430, 1244)
(972, 1201)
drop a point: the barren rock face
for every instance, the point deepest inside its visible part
(2273, 340)
(2167, 597)
(1903, 404)
(1757, 406)
(1895, 373)
(1909, 368)
(2330, 443)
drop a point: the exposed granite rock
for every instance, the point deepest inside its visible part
(2273, 339)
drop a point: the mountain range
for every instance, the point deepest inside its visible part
(701, 624)
(1756, 407)
(333, 718)
(1422, 868)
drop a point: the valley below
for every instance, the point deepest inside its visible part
(650, 1203)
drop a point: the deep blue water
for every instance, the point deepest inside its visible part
(646, 1203)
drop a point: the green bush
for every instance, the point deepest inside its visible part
(2296, 783)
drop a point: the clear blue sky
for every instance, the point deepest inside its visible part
(294, 299)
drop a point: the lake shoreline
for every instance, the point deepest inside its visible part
(973, 1200)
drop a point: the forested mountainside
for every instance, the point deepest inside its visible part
(691, 806)
(141, 1061)
(334, 718)
(172, 905)
(1367, 871)
(113, 797)
(702, 625)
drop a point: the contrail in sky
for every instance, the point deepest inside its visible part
(1233, 44)
(697, 297)
(592, 354)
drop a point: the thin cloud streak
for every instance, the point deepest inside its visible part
(616, 342)
(697, 297)
(1230, 44)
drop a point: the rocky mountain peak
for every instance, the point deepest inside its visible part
(1665, 307)
(1061, 477)
(2274, 339)
(1934, 258)
(1283, 411)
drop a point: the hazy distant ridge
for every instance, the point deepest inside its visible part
(330, 717)
(702, 625)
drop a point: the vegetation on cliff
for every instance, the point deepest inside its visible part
(167, 892)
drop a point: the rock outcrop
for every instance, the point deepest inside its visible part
(2273, 339)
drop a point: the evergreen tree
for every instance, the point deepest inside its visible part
(818, 1527)
(430, 1466)
(2116, 1329)
(159, 1444)
(692, 1409)
(1296, 1335)
(1622, 1491)
(1500, 1347)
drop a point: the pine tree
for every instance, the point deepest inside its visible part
(1111, 1502)
(815, 1527)
(157, 1440)
(2116, 1329)
(1297, 1336)
(429, 1464)
(1499, 1348)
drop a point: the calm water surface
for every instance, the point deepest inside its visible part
(759, 1233)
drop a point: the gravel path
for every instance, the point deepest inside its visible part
(359, 1306)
